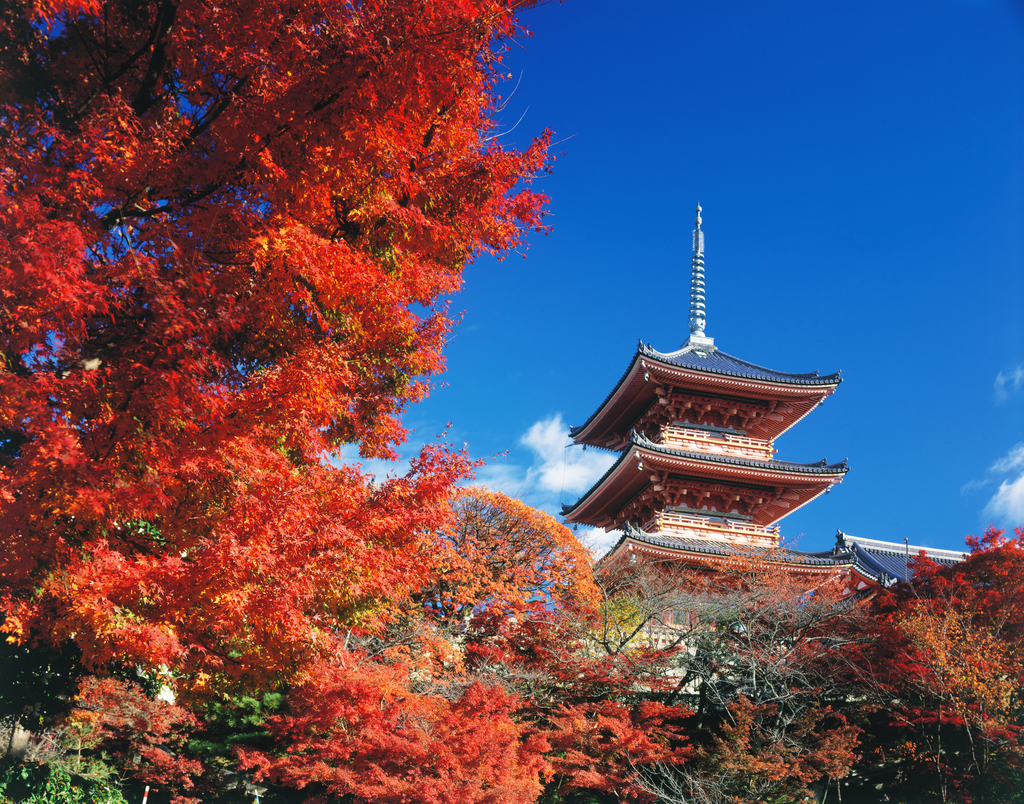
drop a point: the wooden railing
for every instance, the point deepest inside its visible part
(721, 443)
(723, 528)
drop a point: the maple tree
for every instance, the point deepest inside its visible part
(141, 735)
(411, 710)
(948, 668)
(500, 553)
(371, 730)
(599, 714)
(756, 652)
(227, 232)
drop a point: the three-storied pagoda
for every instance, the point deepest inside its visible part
(697, 476)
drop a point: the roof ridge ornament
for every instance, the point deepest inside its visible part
(697, 310)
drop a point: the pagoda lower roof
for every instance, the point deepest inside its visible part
(711, 547)
(704, 370)
(629, 476)
(877, 561)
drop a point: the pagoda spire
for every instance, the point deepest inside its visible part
(697, 318)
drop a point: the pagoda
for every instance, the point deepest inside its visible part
(697, 479)
(696, 431)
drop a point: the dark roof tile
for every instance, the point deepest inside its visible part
(715, 361)
(821, 467)
(885, 562)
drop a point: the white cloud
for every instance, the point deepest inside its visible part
(558, 472)
(508, 478)
(1007, 505)
(597, 541)
(560, 466)
(1009, 382)
(1013, 460)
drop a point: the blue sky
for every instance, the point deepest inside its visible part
(860, 167)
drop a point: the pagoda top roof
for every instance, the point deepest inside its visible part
(711, 359)
(704, 369)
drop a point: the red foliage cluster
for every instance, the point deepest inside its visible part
(359, 728)
(145, 736)
(500, 554)
(947, 660)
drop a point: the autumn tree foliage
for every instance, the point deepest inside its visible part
(228, 232)
(374, 731)
(407, 712)
(143, 734)
(600, 715)
(756, 651)
(948, 665)
(485, 690)
(500, 554)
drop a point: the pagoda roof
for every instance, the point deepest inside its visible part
(877, 561)
(713, 547)
(713, 360)
(705, 369)
(622, 482)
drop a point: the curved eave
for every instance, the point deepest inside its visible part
(635, 393)
(705, 551)
(630, 476)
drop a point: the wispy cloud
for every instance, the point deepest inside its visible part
(498, 475)
(1006, 506)
(1009, 382)
(1014, 459)
(559, 465)
(550, 471)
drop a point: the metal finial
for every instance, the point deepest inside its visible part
(697, 319)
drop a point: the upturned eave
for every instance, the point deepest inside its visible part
(789, 486)
(650, 370)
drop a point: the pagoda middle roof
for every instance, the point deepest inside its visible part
(619, 484)
(822, 467)
(714, 547)
(707, 370)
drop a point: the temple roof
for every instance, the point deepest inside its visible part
(822, 467)
(704, 370)
(622, 483)
(886, 561)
